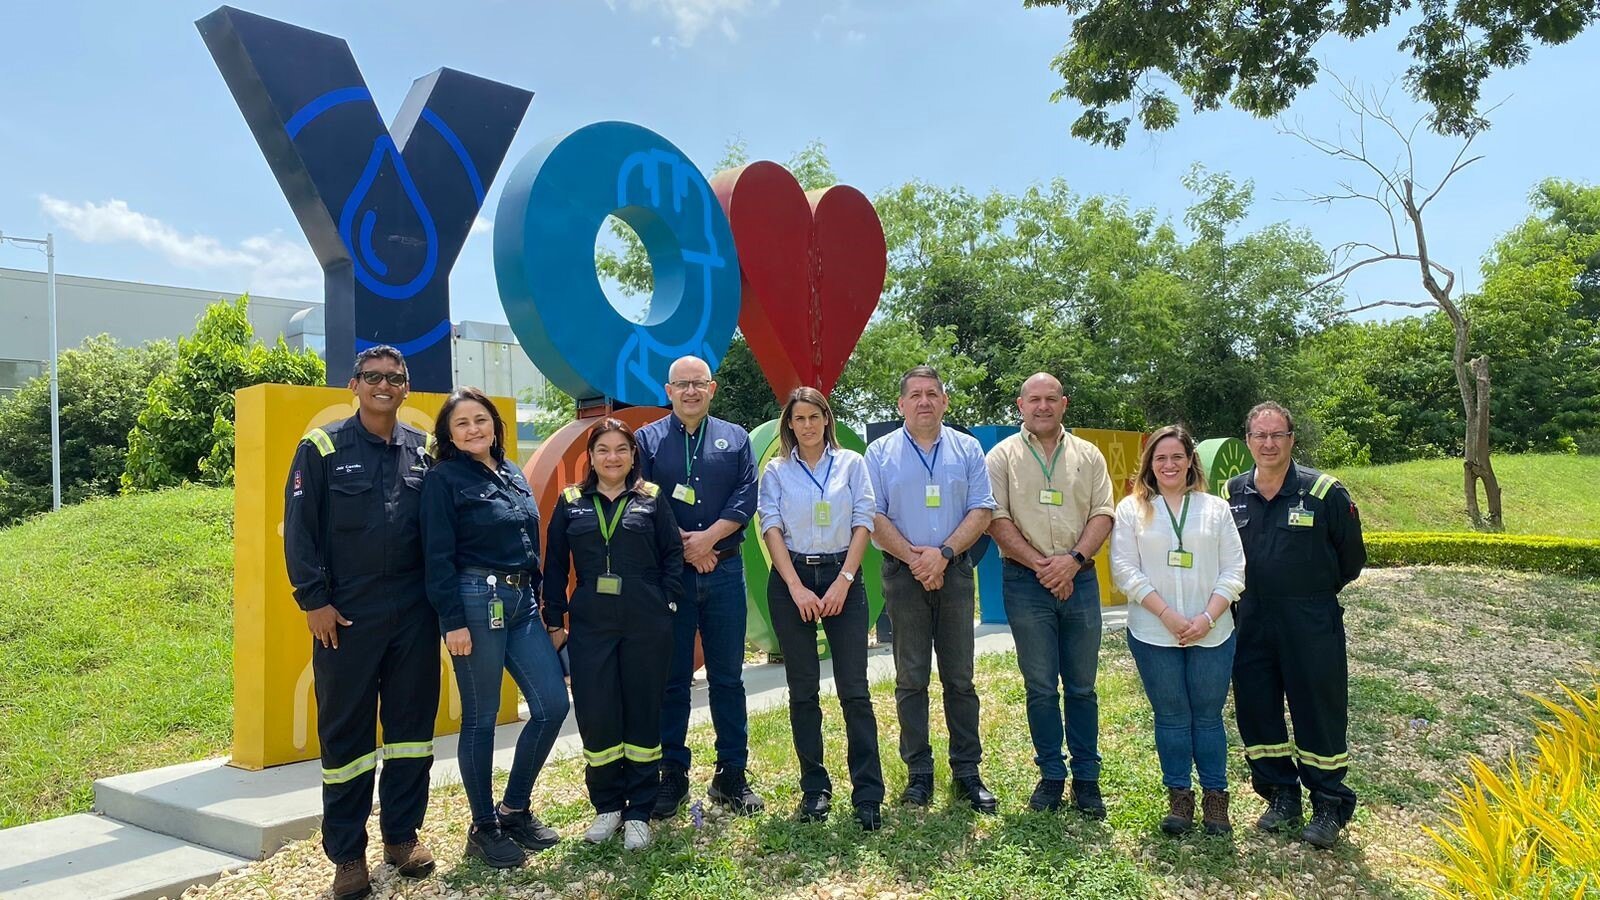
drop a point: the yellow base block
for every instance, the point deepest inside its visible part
(274, 706)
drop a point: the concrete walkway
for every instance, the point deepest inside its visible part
(155, 833)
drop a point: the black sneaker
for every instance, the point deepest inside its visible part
(1283, 810)
(1324, 827)
(673, 792)
(730, 788)
(814, 806)
(490, 844)
(527, 831)
(971, 789)
(1047, 795)
(1086, 797)
(919, 790)
(869, 816)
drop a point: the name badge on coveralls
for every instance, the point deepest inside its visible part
(1300, 517)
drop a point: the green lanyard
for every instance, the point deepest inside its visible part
(607, 529)
(1050, 471)
(688, 457)
(1177, 522)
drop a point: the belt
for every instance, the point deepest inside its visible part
(511, 579)
(1083, 568)
(729, 553)
(817, 559)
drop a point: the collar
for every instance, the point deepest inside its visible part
(827, 451)
(684, 429)
(906, 432)
(1291, 477)
(355, 422)
(1028, 436)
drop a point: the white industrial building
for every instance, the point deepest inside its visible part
(484, 354)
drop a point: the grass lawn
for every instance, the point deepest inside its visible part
(116, 625)
(1542, 493)
(1440, 663)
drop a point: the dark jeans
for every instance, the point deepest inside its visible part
(715, 606)
(847, 642)
(1187, 687)
(522, 648)
(928, 623)
(1058, 644)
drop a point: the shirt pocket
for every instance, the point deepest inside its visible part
(351, 502)
(480, 504)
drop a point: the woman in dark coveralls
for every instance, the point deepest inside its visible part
(624, 544)
(480, 539)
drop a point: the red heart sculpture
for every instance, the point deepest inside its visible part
(813, 266)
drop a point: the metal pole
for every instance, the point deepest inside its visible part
(55, 359)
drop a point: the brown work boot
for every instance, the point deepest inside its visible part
(410, 857)
(350, 880)
(1180, 811)
(1214, 813)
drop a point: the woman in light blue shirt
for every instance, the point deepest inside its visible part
(816, 508)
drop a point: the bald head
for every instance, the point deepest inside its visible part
(690, 388)
(688, 367)
(1042, 404)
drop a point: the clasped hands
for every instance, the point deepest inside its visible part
(699, 550)
(1187, 631)
(813, 608)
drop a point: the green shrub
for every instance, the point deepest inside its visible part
(185, 429)
(102, 387)
(1531, 553)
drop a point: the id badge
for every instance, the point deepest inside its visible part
(930, 496)
(1180, 559)
(683, 494)
(497, 615)
(822, 513)
(1050, 497)
(1300, 517)
(608, 584)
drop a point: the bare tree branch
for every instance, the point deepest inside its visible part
(1412, 304)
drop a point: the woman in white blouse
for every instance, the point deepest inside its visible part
(1177, 557)
(816, 507)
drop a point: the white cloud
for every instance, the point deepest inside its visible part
(691, 17)
(269, 264)
(854, 37)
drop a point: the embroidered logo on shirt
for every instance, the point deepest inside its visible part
(720, 443)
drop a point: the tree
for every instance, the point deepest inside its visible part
(184, 431)
(1259, 56)
(101, 387)
(1394, 188)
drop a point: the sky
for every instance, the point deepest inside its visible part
(118, 134)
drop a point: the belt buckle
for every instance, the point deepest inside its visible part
(813, 560)
(514, 579)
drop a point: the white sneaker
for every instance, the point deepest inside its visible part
(635, 835)
(605, 825)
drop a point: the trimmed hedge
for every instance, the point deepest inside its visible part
(1528, 552)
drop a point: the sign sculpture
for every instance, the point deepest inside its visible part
(386, 210)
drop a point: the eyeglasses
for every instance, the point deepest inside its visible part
(1263, 437)
(395, 379)
(688, 385)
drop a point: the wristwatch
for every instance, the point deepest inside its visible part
(946, 552)
(1083, 561)
(848, 576)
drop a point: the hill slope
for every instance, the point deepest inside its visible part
(116, 631)
(1543, 494)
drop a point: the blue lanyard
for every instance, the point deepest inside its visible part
(926, 463)
(825, 475)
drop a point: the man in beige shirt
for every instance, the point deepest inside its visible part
(1054, 511)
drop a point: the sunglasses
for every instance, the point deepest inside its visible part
(395, 379)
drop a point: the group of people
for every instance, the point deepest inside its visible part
(395, 538)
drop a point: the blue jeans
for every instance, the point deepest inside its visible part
(1187, 687)
(1058, 643)
(714, 605)
(522, 648)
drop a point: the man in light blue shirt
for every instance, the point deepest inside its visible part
(934, 501)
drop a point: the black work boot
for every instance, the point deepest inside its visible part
(527, 831)
(1047, 795)
(1086, 797)
(1283, 810)
(972, 789)
(1180, 811)
(919, 789)
(673, 791)
(494, 847)
(1323, 830)
(729, 788)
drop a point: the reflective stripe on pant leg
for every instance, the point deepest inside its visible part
(408, 750)
(641, 754)
(607, 756)
(346, 772)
